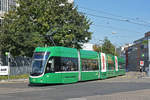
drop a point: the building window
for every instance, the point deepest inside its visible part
(142, 46)
(89, 64)
(6, 5)
(11, 3)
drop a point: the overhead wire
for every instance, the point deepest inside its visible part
(136, 21)
(108, 13)
(115, 19)
(112, 27)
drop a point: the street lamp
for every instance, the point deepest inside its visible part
(101, 42)
(114, 45)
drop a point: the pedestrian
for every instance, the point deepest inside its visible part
(140, 68)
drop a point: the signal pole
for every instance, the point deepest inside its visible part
(101, 43)
(8, 65)
(8, 56)
(148, 72)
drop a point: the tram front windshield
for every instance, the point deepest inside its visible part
(39, 62)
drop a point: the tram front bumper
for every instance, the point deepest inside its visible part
(36, 80)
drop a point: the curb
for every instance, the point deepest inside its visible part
(146, 77)
(13, 80)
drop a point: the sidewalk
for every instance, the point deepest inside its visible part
(128, 76)
(14, 81)
(134, 75)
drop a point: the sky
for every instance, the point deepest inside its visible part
(122, 21)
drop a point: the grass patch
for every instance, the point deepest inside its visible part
(24, 76)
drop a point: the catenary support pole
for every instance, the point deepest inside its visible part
(8, 66)
(148, 72)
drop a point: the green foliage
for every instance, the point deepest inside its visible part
(24, 76)
(145, 42)
(97, 48)
(25, 26)
(107, 47)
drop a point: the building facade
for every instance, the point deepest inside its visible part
(138, 52)
(5, 6)
(87, 46)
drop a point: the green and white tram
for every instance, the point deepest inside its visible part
(52, 65)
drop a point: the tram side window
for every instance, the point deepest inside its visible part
(111, 64)
(66, 64)
(121, 65)
(89, 64)
(50, 66)
(57, 63)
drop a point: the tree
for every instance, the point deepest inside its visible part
(25, 27)
(97, 48)
(107, 47)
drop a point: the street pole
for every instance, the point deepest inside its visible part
(115, 51)
(8, 66)
(101, 42)
(148, 72)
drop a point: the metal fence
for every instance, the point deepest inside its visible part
(18, 65)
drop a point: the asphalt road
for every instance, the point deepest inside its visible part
(79, 91)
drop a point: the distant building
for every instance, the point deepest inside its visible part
(87, 46)
(123, 49)
(5, 6)
(138, 52)
(124, 52)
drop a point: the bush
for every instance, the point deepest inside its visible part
(24, 76)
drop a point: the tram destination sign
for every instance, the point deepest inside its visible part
(3, 70)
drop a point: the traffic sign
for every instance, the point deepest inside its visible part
(141, 63)
(142, 55)
(6, 53)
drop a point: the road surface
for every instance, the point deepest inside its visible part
(109, 89)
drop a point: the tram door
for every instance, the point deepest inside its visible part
(51, 75)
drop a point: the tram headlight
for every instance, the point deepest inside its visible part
(33, 80)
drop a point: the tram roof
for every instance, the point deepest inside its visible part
(70, 52)
(59, 51)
